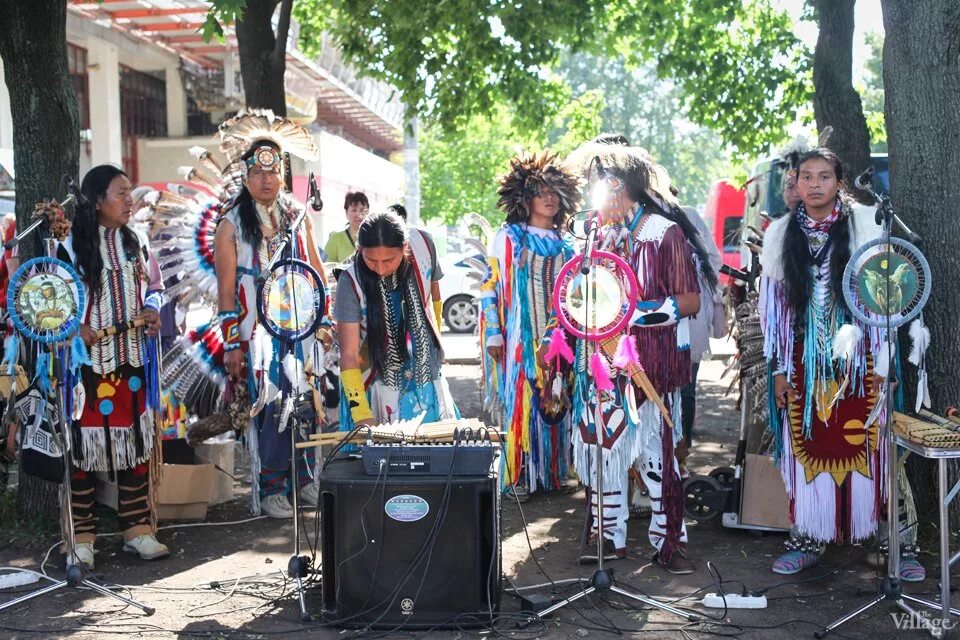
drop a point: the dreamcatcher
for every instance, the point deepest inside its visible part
(45, 299)
(291, 300)
(866, 289)
(886, 284)
(594, 296)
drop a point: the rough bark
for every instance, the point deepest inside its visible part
(46, 140)
(835, 102)
(46, 125)
(263, 53)
(921, 74)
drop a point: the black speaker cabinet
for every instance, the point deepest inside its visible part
(393, 555)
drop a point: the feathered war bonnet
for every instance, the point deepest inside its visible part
(251, 132)
(528, 174)
(633, 166)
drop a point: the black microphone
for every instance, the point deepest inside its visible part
(315, 202)
(592, 227)
(75, 191)
(864, 181)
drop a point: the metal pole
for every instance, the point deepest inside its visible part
(944, 543)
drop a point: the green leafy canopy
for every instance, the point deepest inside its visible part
(742, 71)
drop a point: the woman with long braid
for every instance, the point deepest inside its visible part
(388, 327)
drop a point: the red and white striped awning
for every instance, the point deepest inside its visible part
(360, 110)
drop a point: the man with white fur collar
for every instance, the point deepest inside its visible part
(827, 371)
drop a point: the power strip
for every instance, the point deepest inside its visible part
(714, 601)
(17, 579)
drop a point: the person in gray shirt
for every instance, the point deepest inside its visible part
(388, 328)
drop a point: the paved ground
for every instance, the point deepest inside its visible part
(543, 551)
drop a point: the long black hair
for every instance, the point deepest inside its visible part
(675, 214)
(636, 176)
(85, 231)
(796, 250)
(384, 229)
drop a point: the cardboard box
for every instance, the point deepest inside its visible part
(221, 455)
(105, 492)
(185, 491)
(764, 502)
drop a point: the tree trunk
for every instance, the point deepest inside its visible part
(263, 60)
(46, 141)
(921, 74)
(46, 126)
(835, 102)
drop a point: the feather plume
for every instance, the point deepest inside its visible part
(11, 352)
(558, 347)
(476, 263)
(824, 137)
(920, 340)
(626, 355)
(846, 341)
(79, 356)
(601, 375)
(207, 160)
(251, 125)
(529, 172)
(556, 389)
(293, 369)
(263, 356)
(486, 229)
(476, 245)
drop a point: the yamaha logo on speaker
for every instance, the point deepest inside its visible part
(406, 508)
(406, 606)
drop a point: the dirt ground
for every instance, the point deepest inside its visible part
(179, 587)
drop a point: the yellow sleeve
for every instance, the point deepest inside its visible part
(352, 381)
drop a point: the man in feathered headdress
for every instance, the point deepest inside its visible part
(230, 243)
(536, 194)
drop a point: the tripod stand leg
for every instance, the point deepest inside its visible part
(102, 590)
(34, 594)
(559, 605)
(303, 603)
(850, 616)
(927, 603)
(690, 617)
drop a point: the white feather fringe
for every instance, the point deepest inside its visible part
(846, 341)
(293, 369)
(920, 340)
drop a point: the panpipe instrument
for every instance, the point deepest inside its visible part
(410, 431)
(929, 430)
(17, 382)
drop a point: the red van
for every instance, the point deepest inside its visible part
(723, 215)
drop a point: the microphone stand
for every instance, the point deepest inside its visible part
(602, 579)
(298, 566)
(890, 589)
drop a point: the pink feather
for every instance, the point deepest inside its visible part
(558, 347)
(626, 355)
(601, 376)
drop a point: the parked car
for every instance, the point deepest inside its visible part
(458, 293)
